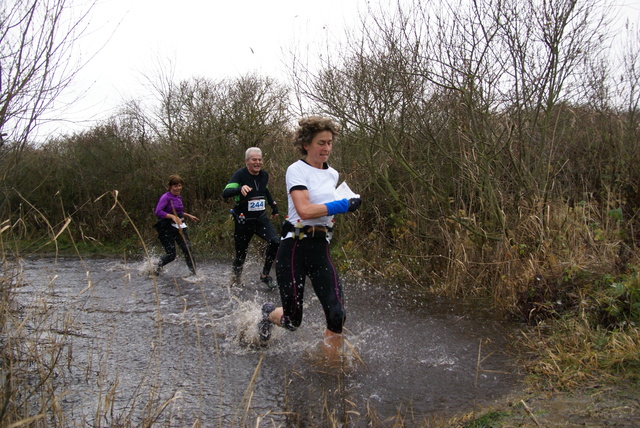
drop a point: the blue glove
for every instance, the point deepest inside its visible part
(338, 207)
(343, 205)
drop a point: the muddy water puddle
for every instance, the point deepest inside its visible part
(179, 351)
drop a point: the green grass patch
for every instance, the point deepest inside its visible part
(488, 420)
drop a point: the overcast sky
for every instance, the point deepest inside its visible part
(130, 39)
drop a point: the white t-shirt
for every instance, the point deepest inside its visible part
(321, 184)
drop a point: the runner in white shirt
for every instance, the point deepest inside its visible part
(304, 249)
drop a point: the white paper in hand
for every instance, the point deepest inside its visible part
(343, 191)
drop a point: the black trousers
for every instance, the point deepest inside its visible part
(242, 234)
(309, 257)
(169, 236)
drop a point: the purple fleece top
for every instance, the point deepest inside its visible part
(167, 203)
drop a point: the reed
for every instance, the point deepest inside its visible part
(565, 269)
(39, 367)
(573, 353)
(40, 364)
(590, 337)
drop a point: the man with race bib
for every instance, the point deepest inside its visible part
(248, 187)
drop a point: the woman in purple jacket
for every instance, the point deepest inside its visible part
(170, 226)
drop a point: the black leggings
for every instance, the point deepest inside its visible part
(298, 259)
(242, 235)
(169, 236)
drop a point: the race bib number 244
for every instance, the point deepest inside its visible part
(257, 205)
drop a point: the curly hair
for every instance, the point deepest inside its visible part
(309, 127)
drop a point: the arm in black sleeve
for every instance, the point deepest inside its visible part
(233, 187)
(271, 202)
(230, 192)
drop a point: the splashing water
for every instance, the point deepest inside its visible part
(193, 339)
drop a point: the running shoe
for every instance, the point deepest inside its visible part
(236, 276)
(269, 281)
(158, 270)
(264, 326)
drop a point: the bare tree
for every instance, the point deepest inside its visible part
(37, 38)
(203, 126)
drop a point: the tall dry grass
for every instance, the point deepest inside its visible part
(471, 186)
(40, 366)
